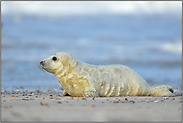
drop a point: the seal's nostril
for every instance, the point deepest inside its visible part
(41, 62)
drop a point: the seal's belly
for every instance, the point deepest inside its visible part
(122, 89)
(107, 89)
(118, 81)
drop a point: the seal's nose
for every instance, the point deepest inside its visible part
(41, 62)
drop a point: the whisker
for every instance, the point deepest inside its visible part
(53, 52)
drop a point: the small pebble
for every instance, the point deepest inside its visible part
(18, 90)
(128, 102)
(26, 99)
(91, 105)
(42, 103)
(51, 97)
(13, 92)
(36, 96)
(165, 98)
(132, 101)
(115, 101)
(84, 99)
(152, 100)
(156, 101)
(108, 99)
(59, 102)
(24, 95)
(102, 102)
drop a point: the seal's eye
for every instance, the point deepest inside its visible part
(54, 58)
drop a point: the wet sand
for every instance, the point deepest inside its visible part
(53, 107)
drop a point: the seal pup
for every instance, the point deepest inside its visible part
(80, 79)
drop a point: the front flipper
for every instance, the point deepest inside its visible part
(91, 94)
(64, 93)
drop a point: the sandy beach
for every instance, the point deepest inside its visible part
(33, 106)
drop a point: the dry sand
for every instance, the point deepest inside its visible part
(54, 107)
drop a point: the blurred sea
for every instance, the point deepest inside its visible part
(150, 44)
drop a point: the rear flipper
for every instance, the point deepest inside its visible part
(162, 90)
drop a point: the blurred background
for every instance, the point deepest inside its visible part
(146, 36)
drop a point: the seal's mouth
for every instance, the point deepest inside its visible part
(42, 65)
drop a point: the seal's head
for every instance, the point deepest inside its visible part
(57, 62)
